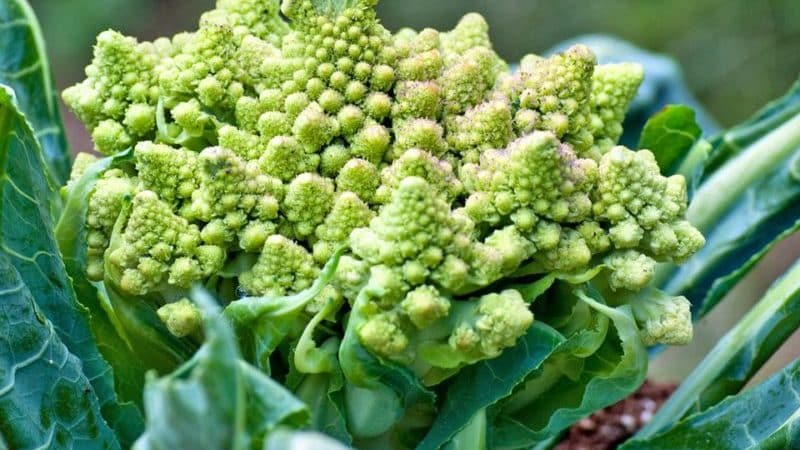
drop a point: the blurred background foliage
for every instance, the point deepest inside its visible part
(736, 55)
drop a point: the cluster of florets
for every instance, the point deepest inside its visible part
(441, 171)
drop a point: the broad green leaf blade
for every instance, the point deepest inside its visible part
(614, 372)
(26, 236)
(24, 68)
(735, 140)
(46, 401)
(765, 417)
(670, 134)
(324, 395)
(496, 379)
(215, 401)
(738, 355)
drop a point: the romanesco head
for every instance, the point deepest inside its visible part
(279, 132)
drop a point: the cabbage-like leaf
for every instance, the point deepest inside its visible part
(216, 400)
(26, 236)
(496, 379)
(563, 393)
(24, 68)
(46, 400)
(765, 417)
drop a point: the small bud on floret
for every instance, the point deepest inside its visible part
(630, 270)
(282, 267)
(663, 319)
(182, 318)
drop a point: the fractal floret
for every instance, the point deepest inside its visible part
(278, 137)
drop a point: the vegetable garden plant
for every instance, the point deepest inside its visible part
(301, 230)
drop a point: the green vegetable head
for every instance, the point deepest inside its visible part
(262, 145)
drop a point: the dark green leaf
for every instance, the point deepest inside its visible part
(215, 401)
(615, 371)
(497, 378)
(26, 235)
(670, 134)
(738, 355)
(46, 401)
(25, 69)
(765, 417)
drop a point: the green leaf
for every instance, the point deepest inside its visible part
(264, 322)
(26, 236)
(324, 395)
(301, 440)
(670, 134)
(24, 68)
(496, 377)
(765, 417)
(370, 379)
(615, 371)
(216, 401)
(46, 400)
(738, 355)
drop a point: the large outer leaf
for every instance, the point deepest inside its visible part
(24, 67)
(766, 417)
(496, 378)
(46, 401)
(614, 372)
(26, 235)
(738, 355)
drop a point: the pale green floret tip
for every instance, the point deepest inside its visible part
(663, 319)
(500, 320)
(282, 267)
(630, 270)
(424, 306)
(182, 318)
(613, 88)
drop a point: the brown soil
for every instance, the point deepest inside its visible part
(606, 429)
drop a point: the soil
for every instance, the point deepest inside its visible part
(606, 429)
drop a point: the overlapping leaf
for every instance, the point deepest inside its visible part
(764, 418)
(46, 401)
